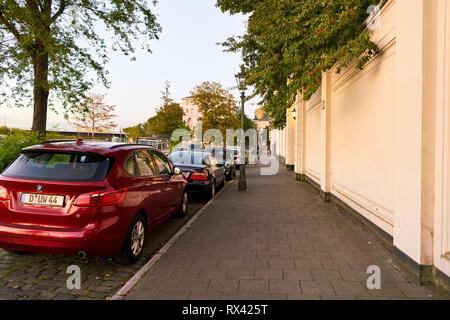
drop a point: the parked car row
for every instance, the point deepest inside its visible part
(235, 152)
(101, 198)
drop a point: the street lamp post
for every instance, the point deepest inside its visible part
(240, 79)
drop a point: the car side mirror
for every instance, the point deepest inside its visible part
(177, 171)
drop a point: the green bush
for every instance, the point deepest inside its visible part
(7, 131)
(11, 146)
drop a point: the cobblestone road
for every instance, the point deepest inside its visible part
(39, 276)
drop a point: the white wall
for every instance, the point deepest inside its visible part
(442, 174)
(290, 137)
(313, 158)
(363, 106)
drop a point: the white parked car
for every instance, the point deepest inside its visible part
(237, 154)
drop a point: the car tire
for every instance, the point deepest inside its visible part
(134, 241)
(182, 211)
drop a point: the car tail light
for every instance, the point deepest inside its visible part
(3, 194)
(199, 176)
(93, 199)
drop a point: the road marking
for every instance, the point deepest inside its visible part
(126, 289)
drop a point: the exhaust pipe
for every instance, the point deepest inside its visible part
(82, 255)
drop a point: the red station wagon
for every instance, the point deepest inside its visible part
(87, 198)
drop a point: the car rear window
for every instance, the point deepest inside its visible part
(188, 158)
(59, 166)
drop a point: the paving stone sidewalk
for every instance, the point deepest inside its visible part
(277, 240)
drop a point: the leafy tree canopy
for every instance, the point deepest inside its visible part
(95, 116)
(217, 106)
(52, 48)
(168, 118)
(135, 132)
(248, 123)
(290, 43)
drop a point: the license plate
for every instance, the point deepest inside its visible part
(44, 200)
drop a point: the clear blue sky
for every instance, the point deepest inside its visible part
(186, 55)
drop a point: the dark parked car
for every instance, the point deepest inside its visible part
(87, 198)
(226, 158)
(203, 172)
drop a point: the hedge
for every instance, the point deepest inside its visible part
(12, 145)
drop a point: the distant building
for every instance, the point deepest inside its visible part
(261, 120)
(191, 111)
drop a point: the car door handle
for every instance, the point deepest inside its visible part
(147, 184)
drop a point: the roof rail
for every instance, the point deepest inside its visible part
(129, 145)
(62, 140)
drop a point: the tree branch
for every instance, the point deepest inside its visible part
(34, 7)
(62, 6)
(40, 6)
(11, 27)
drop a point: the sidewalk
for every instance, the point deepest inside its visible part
(278, 240)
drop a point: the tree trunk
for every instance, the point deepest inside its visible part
(40, 92)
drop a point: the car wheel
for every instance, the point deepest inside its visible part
(134, 241)
(182, 211)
